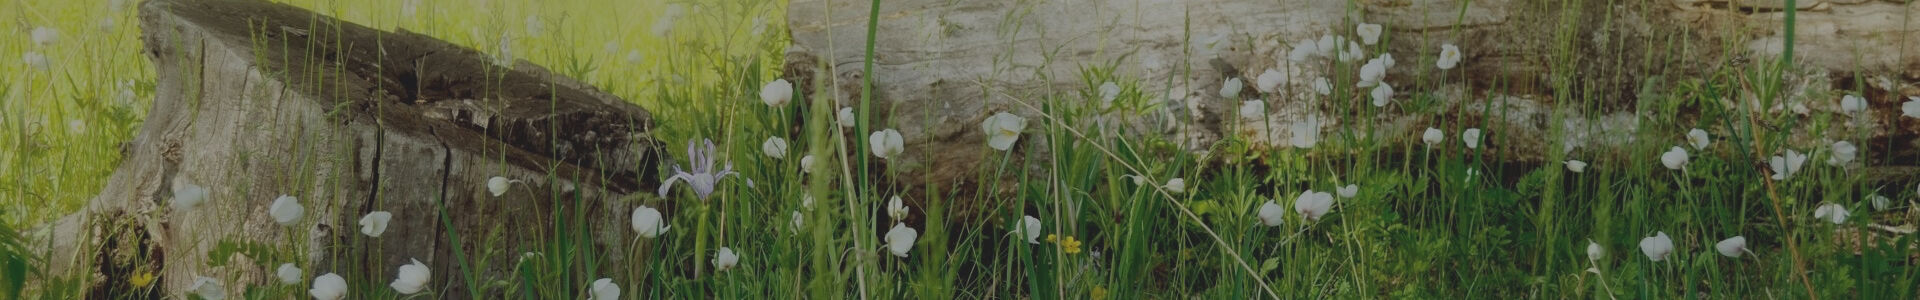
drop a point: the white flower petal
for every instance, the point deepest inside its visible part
(1231, 88)
(328, 287)
(375, 223)
(1657, 247)
(1433, 136)
(412, 279)
(775, 147)
(1732, 247)
(286, 210)
(1369, 33)
(900, 239)
(776, 93)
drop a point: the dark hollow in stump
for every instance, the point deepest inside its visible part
(257, 99)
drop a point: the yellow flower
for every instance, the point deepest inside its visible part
(1072, 245)
(141, 280)
(1053, 238)
(1099, 293)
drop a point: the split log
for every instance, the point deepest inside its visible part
(953, 63)
(257, 99)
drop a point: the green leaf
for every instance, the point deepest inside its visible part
(227, 248)
(1268, 265)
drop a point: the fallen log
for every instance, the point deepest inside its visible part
(256, 100)
(958, 62)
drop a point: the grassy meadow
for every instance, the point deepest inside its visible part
(1129, 216)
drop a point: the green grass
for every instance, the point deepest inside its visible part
(1440, 221)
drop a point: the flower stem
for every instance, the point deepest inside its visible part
(700, 241)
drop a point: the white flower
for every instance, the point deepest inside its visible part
(886, 144)
(1354, 52)
(1433, 137)
(1472, 137)
(807, 202)
(1003, 129)
(604, 289)
(1880, 203)
(1785, 167)
(806, 163)
(633, 56)
(1576, 166)
(1369, 33)
(798, 221)
(186, 196)
(846, 117)
(759, 25)
(288, 273)
(1449, 57)
(1348, 191)
(1831, 213)
(775, 147)
(534, 26)
(1270, 81)
(413, 278)
(1271, 214)
(648, 222)
(725, 259)
(1699, 138)
(1305, 133)
(1594, 251)
(1253, 109)
(1852, 104)
(407, 9)
(1386, 59)
(35, 60)
(375, 223)
(1030, 226)
(1382, 94)
(1303, 50)
(1911, 108)
(1137, 179)
(1328, 44)
(1372, 72)
(1323, 86)
(208, 288)
(1675, 158)
(328, 287)
(897, 209)
(44, 36)
(1657, 247)
(664, 25)
(1231, 88)
(1312, 205)
(498, 185)
(286, 210)
(1177, 185)
(1732, 247)
(776, 93)
(704, 177)
(900, 239)
(1108, 92)
(1843, 153)
(504, 57)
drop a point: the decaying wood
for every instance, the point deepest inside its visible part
(256, 99)
(951, 64)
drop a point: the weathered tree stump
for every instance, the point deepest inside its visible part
(957, 62)
(257, 99)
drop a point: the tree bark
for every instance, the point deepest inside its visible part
(256, 100)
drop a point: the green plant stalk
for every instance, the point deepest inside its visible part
(700, 240)
(453, 236)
